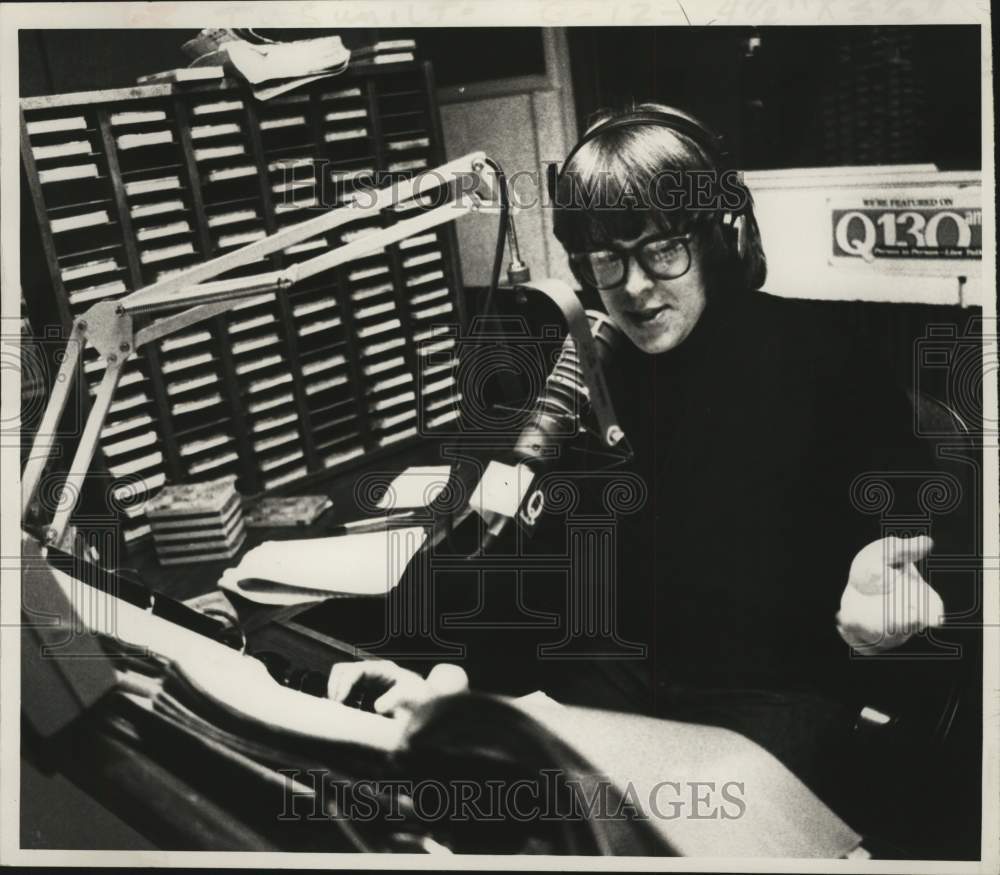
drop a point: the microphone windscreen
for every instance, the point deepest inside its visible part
(565, 400)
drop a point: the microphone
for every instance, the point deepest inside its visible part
(565, 399)
(558, 418)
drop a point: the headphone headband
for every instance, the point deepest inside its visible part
(702, 136)
(708, 141)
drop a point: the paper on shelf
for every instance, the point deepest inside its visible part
(393, 58)
(261, 63)
(80, 220)
(266, 92)
(368, 563)
(213, 152)
(432, 311)
(199, 132)
(55, 125)
(61, 150)
(106, 290)
(154, 232)
(224, 173)
(340, 95)
(352, 134)
(218, 106)
(150, 256)
(286, 477)
(145, 186)
(285, 122)
(416, 487)
(89, 268)
(404, 145)
(398, 436)
(210, 462)
(412, 164)
(138, 118)
(139, 211)
(61, 174)
(152, 138)
(344, 115)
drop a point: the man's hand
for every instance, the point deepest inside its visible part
(405, 690)
(886, 600)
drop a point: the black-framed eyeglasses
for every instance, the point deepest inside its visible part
(661, 256)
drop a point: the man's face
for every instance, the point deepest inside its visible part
(657, 315)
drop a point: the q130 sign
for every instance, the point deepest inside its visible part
(934, 224)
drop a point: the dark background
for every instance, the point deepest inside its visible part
(800, 96)
(784, 96)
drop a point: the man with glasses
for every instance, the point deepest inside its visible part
(754, 568)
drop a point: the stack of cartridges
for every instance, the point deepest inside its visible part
(197, 522)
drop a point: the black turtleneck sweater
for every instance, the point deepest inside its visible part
(748, 436)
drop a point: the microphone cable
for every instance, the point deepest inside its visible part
(501, 234)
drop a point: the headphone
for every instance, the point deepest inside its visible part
(710, 143)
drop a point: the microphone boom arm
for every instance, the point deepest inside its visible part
(108, 326)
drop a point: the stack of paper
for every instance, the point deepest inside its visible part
(296, 510)
(197, 522)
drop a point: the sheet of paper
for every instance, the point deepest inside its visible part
(370, 563)
(301, 58)
(416, 487)
(275, 594)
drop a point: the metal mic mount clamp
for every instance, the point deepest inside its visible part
(518, 272)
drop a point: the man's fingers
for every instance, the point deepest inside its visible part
(926, 605)
(907, 606)
(446, 679)
(344, 676)
(870, 573)
(388, 701)
(407, 693)
(901, 551)
(867, 641)
(406, 689)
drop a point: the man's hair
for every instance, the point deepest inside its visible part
(642, 173)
